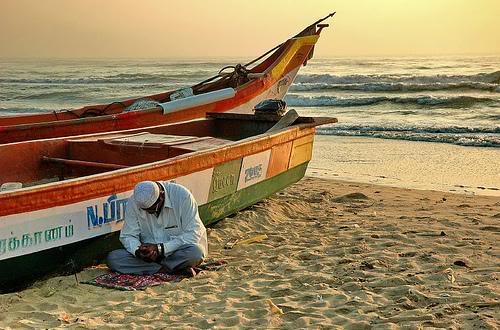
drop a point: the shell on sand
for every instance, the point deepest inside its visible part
(273, 308)
(450, 275)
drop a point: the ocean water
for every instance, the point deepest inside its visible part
(452, 100)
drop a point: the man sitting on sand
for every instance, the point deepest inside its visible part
(162, 232)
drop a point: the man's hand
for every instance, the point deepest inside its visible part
(147, 252)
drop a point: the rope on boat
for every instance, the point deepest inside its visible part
(237, 68)
(94, 111)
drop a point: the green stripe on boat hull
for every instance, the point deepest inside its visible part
(241, 199)
(19, 271)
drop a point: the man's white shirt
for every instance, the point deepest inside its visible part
(178, 223)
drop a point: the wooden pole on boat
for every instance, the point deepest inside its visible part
(74, 162)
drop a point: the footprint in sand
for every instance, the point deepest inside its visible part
(494, 229)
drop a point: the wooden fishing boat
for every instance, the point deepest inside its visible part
(268, 76)
(70, 208)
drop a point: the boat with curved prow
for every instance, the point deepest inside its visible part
(238, 91)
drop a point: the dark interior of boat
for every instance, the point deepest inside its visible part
(43, 161)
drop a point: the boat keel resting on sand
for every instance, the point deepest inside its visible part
(237, 91)
(70, 208)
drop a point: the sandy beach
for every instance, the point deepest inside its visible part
(338, 254)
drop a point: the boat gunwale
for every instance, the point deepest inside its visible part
(122, 115)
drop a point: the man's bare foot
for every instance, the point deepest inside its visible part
(188, 272)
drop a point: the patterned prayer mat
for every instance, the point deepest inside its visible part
(140, 282)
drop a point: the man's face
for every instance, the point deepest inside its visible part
(156, 207)
(153, 208)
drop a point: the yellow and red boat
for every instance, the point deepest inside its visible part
(63, 199)
(238, 91)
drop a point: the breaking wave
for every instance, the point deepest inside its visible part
(52, 95)
(492, 77)
(400, 83)
(465, 136)
(396, 87)
(122, 78)
(422, 100)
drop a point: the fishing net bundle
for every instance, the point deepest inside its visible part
(142, 104)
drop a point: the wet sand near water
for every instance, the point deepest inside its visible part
(407, 164)
(337, 254)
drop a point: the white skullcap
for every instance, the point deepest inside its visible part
(146, 193)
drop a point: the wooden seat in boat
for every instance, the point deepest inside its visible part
(176, 144)
(151, 140)
(121, 151)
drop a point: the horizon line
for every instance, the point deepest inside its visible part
(219, 57)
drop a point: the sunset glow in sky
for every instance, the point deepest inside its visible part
(202, 28)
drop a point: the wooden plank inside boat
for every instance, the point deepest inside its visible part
(149, 139)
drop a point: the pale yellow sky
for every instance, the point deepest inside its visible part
(214, 28)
